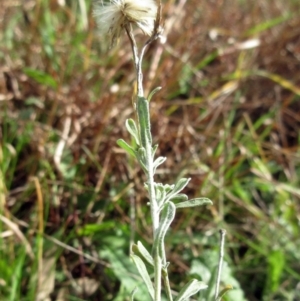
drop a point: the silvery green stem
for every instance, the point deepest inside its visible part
(221, 256)
(143, 114)
(146, 142)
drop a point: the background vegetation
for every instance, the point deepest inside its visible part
(228, 116)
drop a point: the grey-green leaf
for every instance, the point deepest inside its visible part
(141, 156)
(132, 129)
(178, 197)
(190, 289)
(167, 216)
(194, 203)
(177, 188)
(180, 185)
(144, 274)
(143, 253)
(154, 149)
(144, 119)
(126, 147)
(160, 193)
(157, 162)
(132, 294)
(153, 92)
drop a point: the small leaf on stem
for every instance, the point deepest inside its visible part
(194, 203)
(126, 147)
(157, 162)
(190, 289)
(167, 216)
(144, 274)
(132, 129)
(144, 120)
(153, 92)
(143, 253)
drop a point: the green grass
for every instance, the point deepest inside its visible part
(233, 114)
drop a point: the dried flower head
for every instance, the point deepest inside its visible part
(112, 17)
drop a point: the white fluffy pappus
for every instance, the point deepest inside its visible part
(111, 17)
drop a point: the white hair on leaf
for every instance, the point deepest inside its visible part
(112, 17)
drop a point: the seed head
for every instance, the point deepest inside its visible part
(112, 17)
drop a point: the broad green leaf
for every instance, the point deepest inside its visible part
(194, 203)
(143, 253)
(205, 267)
(125, 270)
(132, 129)
(190, 289)
(126, 147)
(144, 274)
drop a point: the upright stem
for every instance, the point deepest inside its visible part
(221, 256)
(137, 61)
(142, 107)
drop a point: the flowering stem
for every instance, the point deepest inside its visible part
(143, 119)
(137, 60)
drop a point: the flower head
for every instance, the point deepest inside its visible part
(115, 15)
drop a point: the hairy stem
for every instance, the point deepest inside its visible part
(221, 256)
(143, 114)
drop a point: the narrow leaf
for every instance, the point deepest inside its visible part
(190, 289)
(141, 156)
(167, 216)
(144, 274)
(132, 129)
(154, 149)
(194, 203)
(153, 92)
(223, 292)
(144, 118)
(132, 294)
(178, 197)
(160, 193)
(180, 185)
(126, 147)
(143, 253)
(157, 162)
(41, 77)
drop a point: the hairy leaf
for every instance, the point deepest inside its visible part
(190, 289)
(144, 273)
(194, 203)
(143, 253)
(144, 118)
(167, 216)
(132, 129)
(126, 147)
